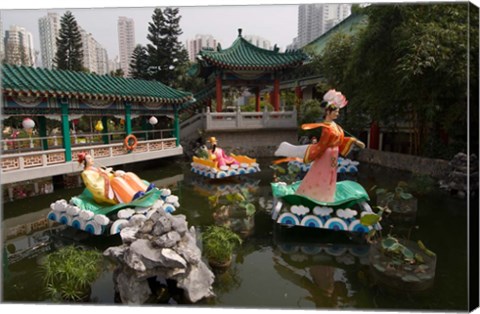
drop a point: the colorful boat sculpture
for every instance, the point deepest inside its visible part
(83, 213)
(209, 168)
(343, 214)
(345, 165)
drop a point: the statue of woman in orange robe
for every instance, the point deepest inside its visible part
(320, 182)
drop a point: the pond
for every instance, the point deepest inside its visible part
(274, 268)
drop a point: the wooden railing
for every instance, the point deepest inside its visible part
(36, 143)
(212, 121)
(43, 158)
(250, 120)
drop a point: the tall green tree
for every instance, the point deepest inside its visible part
(139, 62)
(69, 54)
(410, 66)
(167, 57)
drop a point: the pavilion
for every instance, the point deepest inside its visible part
(244, 65)
(45, 95)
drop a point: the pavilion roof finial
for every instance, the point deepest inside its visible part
(239, 32)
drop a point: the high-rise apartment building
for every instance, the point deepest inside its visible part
(316, 19)
(2, 42)
(126, 42)
(201, 41)
(49, 29)
(19, 46)
(102, 61)
(95, 57)
(258, 41)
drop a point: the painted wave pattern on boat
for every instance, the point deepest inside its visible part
(98, 223)
(224, 171)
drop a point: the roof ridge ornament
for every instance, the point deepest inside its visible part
(239, 32)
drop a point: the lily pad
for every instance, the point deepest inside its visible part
(369, 219)
(379, 268)
(388, 242)
(250, 209)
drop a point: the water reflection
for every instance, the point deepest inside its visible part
(233, 201)
(330, 271)
(271, 269)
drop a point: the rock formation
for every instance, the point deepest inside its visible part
(161, 247)
(456, 180)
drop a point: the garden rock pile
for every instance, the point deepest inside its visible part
(161, 247)
(456, 180)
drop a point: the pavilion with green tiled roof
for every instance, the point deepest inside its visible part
(40, 82)
(62, 94)
(244, 64)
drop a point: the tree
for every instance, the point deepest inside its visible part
(166, 54)
(409, 65)
(117, 73)
(139, 63)
(69, 54)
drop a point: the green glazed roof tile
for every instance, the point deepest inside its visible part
(59, 82)
(244, 55)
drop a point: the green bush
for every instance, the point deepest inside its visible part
(69, 272)
(219, 243)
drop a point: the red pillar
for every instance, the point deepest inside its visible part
(219, 94)
(257, 100)
(374, 135)
(298, 95)
(276, 95)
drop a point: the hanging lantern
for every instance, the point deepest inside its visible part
(28, 123)
(152, 120)
(75, 122)
(122, 122)
(99, 126)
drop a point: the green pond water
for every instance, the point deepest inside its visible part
(274, 268)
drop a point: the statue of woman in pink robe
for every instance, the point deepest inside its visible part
(219, 154)
(319, 183)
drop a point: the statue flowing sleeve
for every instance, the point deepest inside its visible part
(346, 145)
(315, 151)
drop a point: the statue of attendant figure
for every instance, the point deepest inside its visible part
(218, 154)
(320, 182)
(108, 187)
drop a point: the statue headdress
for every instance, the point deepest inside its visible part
(334, 99)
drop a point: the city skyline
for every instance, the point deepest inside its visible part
(279, 29)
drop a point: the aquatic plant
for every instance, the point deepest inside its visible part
(400, 193)
(398, 263)
(243, 199)
(218, 244)
(290, 174)
(70, 271)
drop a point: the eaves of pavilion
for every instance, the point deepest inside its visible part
(244, 64)
(45, 93)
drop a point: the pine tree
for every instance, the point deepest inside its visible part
(139, 62)
(166, 54)
(69, 54)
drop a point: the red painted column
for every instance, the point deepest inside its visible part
(298, 95)
(219, 93)
(276, 93)
(374, 135)
(257, 100)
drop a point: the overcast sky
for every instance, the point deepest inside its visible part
(274, 20)
(276, 23)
